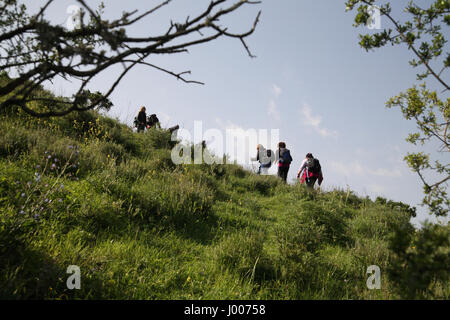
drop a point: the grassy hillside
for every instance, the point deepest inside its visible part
(85, 190)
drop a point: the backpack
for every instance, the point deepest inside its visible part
(136, 122)
(313, 165)
(286, 157)
(152, 120)
(266, 161)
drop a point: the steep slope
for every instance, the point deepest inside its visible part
(85, 190)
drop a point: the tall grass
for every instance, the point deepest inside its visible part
(85, 190)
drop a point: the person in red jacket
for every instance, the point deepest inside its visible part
(310, 171)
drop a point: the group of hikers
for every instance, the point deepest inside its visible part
(142, 122)
(310, 170)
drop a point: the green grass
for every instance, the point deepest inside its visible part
(140, 227)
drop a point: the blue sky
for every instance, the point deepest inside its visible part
(310, 80)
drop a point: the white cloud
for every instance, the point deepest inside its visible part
(377, 189)
(386, 173)
(228, 125)
(164, 118)
(276, 90)
(356, 168)
(314, 121)
(347, 169)
(273, 110)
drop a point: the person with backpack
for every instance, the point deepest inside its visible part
(153, 121)
(310, 171)
(141, 120)
(284, 161)
(265, 158)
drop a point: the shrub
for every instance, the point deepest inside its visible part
(13, 142)
(90, 159)
(243, 253)
(335, 228)
(60, 157)
(420, 261)
(377, 222)
(173, 197)
(15, 229)
(262, 184)
(113, 151)
(155, 139)
(123, 136)
(298, 237)
(237, 171)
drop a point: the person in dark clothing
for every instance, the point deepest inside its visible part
(142, 120)
(284, 161)
(153, 121)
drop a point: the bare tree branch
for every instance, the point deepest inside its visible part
(36, 51)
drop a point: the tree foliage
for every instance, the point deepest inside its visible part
(424, 33)
(34, 51)
(419, 261)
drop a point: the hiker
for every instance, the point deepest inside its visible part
(153, 121)
(141, 120)
(264, 156)
(312, 171)
(284, 161)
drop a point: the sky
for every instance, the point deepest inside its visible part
(310, 80)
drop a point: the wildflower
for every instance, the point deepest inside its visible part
(56, 160)
(38, 166)
(53, 166)
(62, 186)
(49, 157)
(70, 147)
(46, 152)
(22, 212)
(22, 195)
(59, 200)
